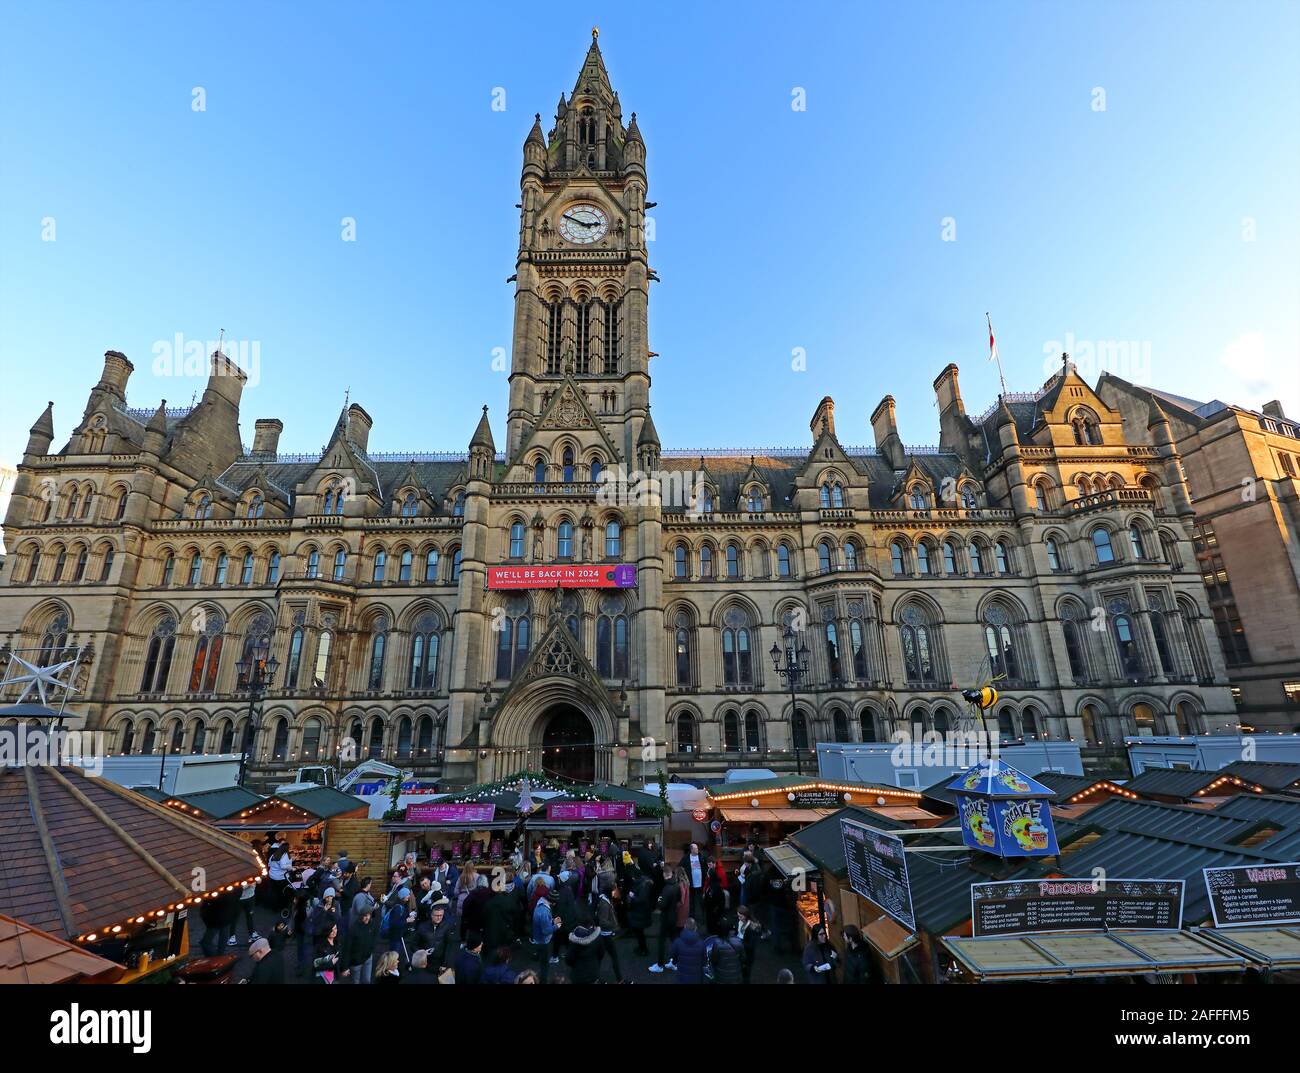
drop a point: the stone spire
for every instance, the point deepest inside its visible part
(42, 433)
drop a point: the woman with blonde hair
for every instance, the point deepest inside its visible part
(386, 968)
(464, 885)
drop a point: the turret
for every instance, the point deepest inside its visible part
(482, 449)
(647, 443)
(117, 370)
(41, 434)
(155, 433)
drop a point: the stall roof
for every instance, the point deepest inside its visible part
(1187, 785)
(151, 792)
(789, 861)
(1171, 821)
(1117, 953)
(822, 843)
(719, 791)
(31, 956)
(82, 854)
(604, 791)
(939, 792)
(1270, 774)
(1271, 948)
(1279, 807)
(1069, 786)
(323, 801)
(221, 802)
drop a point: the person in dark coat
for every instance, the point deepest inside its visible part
(500, 919)
(640, 910)
(358, 949)
(688, 954)
(669, 899)
(585, 953)
(268, 964)
(727, 958)
(472, 916)
(420, 972)
(500, 972)
(325, 961)
(469, 962)
(439, 937)
(748, 931)
(857, 960)
(715, 897)
(820, 959)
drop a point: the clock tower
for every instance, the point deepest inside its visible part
(580, 359)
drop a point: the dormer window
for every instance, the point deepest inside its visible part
(256, 507)
(754, 501)
(917, 498)
(409, 505)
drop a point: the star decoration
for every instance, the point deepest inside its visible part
(43, 679)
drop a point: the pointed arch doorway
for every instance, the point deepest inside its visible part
(568, 744)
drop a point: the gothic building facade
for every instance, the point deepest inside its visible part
(1045, 545)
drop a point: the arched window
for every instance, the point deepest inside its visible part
(226, 739)
(679, 561)
(867, 724)
(783, 560)
(256, 508)
(941, 719)
(733, 560)
(737, 661)
(564, 540)
(731, 732)
(273, 568)
(517, 531)
(424, 737)
(1002, 557)
(949, 557)
(923, 557)
(207, 655)
(381, 564)
(686, 733)
(1130, 657)
(824, 500)
(706, 500)
(1053, 553)
(196, 568)
(682, 646)
(1101, 544)
(375, 748)
(850, 555)
(567, 465)
(313, 563)
(1135, 542)
(753, 732)
(107, 568)
(539, 473)
(295, 659)
(833, 667)
(918, 645)
(320, 672)
(128, 739)
(799, 729)
(378, 646)
(54, 640)
(431, 566)
(858, 649)
(1040, 496)
(754, 501)
(595, 470)
(203, 510)
(147, 738)
(404, 565)
(969, 498)
(706, 560)
(1075, 649)
(410, 505)
(896, 560)
(158, 656)
(340, 564)
(199, 740)
(458, 506)
(246, 569)
(917, 498)
(120, 509)
(512, 638)
(83, 557)
(312, 731)
(1144, 717)
(1000, 641)
(404, 738)
(840, 725)
(976, 558)
(613, 540)
(611, 645)
(424, 652)
(1092, 728)
(824, 561)
(1006, 723)
(455, 565)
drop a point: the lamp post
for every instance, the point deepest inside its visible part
(257, 673)
(792, 665)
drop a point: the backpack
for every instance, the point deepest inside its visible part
(394, 920)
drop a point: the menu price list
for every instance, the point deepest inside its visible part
(1263, 894)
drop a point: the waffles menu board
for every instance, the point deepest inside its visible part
(878, 869)
(1254, 894)
(1039, 905)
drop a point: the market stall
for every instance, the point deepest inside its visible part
(766, 811)
(481, 831)
(140, 867)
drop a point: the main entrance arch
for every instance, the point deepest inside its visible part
(568, 744)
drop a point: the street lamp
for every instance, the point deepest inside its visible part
(257, 674)
(794, 668)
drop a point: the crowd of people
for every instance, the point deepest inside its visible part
(440, 924)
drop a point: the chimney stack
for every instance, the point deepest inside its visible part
(885, 426)
(266, 435)
(823, 419)
(359, 424)
(1273, 409)
(117, 370)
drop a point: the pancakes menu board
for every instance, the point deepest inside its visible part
(1254, 894)
(1042, 905)
(878, 869)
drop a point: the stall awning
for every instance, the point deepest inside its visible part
(889, 938)
(1127, 953)
(774, 815)
(789, 861)
(1270, 948)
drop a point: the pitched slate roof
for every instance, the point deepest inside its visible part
(82, 854)
(1172, 821)
(221, 802)
(1173, 782)
(151, 792)
(323, 801)
(1284, 810)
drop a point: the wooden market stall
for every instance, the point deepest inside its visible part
(765, 811)
(100, 867)
(31, 956)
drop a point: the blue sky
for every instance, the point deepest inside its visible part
(1165, 222)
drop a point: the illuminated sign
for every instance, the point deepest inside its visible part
(595, 576)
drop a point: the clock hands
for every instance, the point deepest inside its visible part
(583, 223)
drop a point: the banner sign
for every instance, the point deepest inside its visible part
(816, 799)
(1037, 905)
(1007, 827)
(434, 812)
(595, 576)
(1254, 894)
(878, 869)
(596, 811)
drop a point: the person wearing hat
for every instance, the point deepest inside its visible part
(543, 931)
(356, 957)
(585, 952)
(268, 965)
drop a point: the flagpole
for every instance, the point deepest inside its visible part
(993, 353)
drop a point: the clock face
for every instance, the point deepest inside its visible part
(583, 223)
